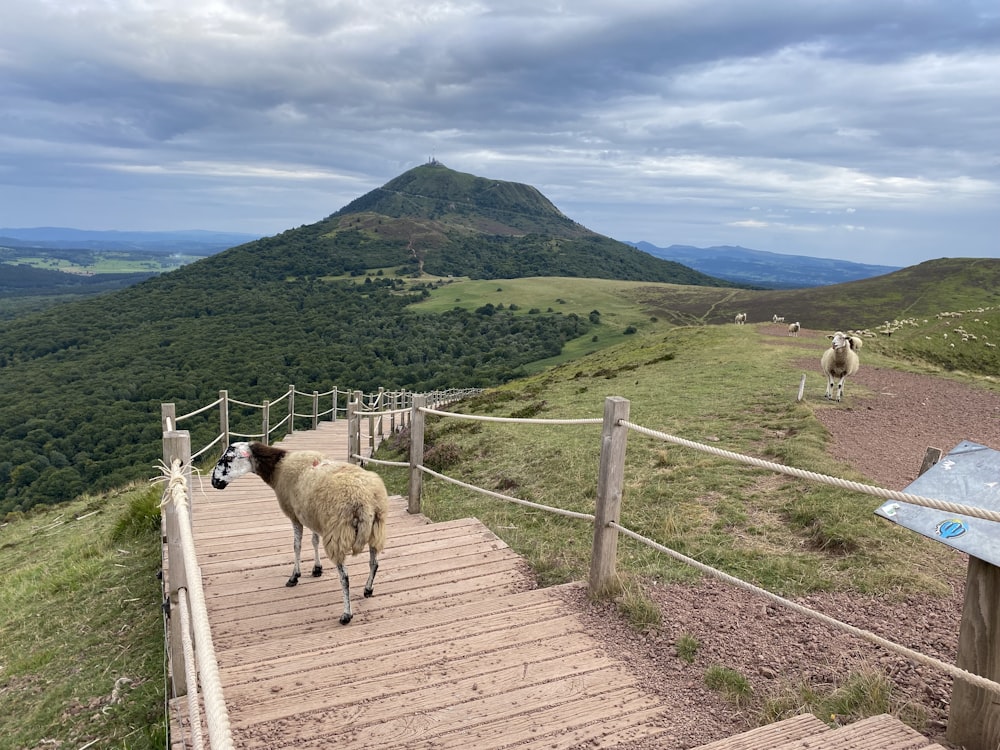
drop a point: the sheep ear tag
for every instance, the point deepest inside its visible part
(243, 452)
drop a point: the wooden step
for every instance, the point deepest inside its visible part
(806, 732)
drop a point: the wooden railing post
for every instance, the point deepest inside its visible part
(291, 409)
(353, 431)
(224, 418)
(974, 714)
(382, 401)
(266, 423)
(416, 453)
(335, 400)
(611, 476)
(315, 420)
(168, 417)
(176, 445)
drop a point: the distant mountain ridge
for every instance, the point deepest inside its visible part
(765, 269)
(191, 241)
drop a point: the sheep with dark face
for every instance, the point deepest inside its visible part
(342, 503)
(839, 361)
(740, 319)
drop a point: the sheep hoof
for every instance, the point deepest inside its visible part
(345, 618)
(369, 592)
(293, 580)
(317, 571)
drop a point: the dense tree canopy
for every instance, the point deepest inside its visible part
(83, 382)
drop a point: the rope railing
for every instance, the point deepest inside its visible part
(611, 523)
(866, 635)
(605, 520)
(869, 489)
(216, 714)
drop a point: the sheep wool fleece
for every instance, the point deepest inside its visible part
(304, 481)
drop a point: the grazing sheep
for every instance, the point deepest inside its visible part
(777, 318)
(741, 318)
(793, 329)
(839, 361)
(341, 502)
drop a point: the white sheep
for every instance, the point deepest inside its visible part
(793, 329)
(341, 502)
(839, 361)
(741, 319)
(777, 318)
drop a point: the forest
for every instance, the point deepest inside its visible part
(83, 382)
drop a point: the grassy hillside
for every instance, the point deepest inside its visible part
(946, 284)
(81, 632)
(89, 578)
(789, 536)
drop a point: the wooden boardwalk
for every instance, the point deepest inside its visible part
(456, 649)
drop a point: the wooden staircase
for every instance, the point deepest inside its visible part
(456, 649)
(806, 732)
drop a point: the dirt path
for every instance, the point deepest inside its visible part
(883, 428)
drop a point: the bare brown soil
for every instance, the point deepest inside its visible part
(882, 428)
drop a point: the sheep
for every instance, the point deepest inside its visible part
(741, 318)
(793, 329)
(777, 318)
(344, 503)
(839, 361)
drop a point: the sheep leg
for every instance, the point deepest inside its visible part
(317, 566)
(297, 545)
(829, 386)
(372, 570)
(840, 388)
(345, 585)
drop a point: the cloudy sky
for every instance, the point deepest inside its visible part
(853, 129)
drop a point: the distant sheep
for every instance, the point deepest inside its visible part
(741, 318)
(793, 329)
(341, 502)
(839, 361)
(777, 318)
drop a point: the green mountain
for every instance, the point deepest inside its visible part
(440, 222)
(83, 380)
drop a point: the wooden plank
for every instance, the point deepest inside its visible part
(287, 643)
(327, 689)
(771, 736)
(409, 717)
(883, 732)
(417, 648)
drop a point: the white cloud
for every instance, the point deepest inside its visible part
(648, 120)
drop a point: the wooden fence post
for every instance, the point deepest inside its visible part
(974, 714)
(224, 418)
(416, 453)
(611, 476)
(168, 417)
(176, 445)
(291, 409)
(266, 422)
(315, 421)
(353, 431)
(335, 399)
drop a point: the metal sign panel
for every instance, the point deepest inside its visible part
(970, 475)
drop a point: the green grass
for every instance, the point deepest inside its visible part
(687, 647)
(80, 604)
(81, 635)
(866, 692)
(722, 386)
(733, 686)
